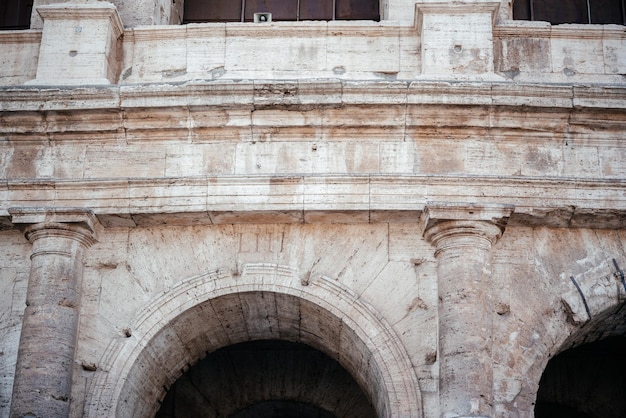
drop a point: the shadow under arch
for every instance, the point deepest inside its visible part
(266, 378)
(587, 377)
(267, 301)
(564, 324)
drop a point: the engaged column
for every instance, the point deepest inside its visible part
(43, 375)
(463, 235)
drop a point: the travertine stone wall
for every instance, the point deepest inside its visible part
(14, 271)
(388, 266)
(433, 45)
(456, 38)
(305, 181)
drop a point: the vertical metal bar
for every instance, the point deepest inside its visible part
(588, 11)
(582, 296)
(243, 10)
(334, 9)
(298, 11)
(532, 10)
(620, 273)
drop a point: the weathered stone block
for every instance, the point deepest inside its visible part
(79, 44)
(456, 38)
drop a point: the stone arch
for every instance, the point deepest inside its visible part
(593, 308)
(596, 383)
(175, 330)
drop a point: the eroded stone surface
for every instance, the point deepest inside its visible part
(268, 181)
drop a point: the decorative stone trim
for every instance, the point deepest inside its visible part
(457, 234)
(40, 222)
(435, 213)
(458, 7)
(549, 202)
(82, 10)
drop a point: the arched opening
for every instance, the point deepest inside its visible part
(265, 302)
(238, 318)
(266, 378)
(588, 380)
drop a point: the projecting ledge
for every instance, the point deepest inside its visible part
(76, 223)
(328, 92)
(436, 212)
(566, 217)
(559, 203)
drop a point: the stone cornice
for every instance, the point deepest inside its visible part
(84, 11)
(301, 29)
(437, 212)
(21, 36)
(503, 111)
(445, 224)
(316, 93)
(566, 203)
(39, 222)
(456, 7)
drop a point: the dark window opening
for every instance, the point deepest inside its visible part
(281, 10)
(571, 11)
(588, 381)
(15, 14)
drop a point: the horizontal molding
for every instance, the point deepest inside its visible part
(20, 36)
(327, 110)
(307, 94)
(552, 202)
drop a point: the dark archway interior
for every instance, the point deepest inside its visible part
(267, 378)
(588, 381)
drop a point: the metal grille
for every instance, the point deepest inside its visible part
(571, 11)
(285, 10)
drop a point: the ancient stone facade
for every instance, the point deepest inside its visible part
(435, 202)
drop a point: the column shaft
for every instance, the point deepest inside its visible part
(463, 237)
(43, 376)
(466, 378)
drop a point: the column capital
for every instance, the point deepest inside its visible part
(37, 222)
(445, 220)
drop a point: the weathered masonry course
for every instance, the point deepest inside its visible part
(417, 214)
